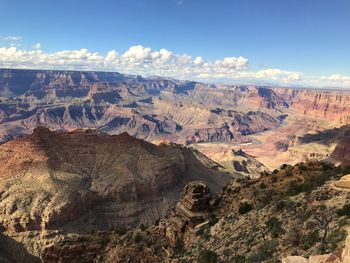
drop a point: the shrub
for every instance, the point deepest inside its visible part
(336, 237)
(121, 230)
(344, 211)
(266, 197)
(284, 166)
(264, 252)
(264, 173)
(281, 205)
(262, 185)
(138, 238)
(294, 188)
(274, 179)
(238, 259)
(289, 172)
(207, 256)
(244, 208)
(311, 239)
(143, 227)
(302, 166)
(274, 226)
(179, 248)
(213, 220)
(346, 170)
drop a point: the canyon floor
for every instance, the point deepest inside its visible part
(296, 140)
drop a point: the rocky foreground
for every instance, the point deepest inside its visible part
(292, 215)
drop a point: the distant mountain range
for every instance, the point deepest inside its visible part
(154, 108)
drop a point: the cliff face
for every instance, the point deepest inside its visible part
(341, 152)
(251, 221)
(333, 106)
(153, 108)
(51, 179)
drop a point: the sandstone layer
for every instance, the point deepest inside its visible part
(86, 180)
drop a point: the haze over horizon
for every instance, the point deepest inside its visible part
(249, 42)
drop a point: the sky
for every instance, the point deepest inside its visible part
(284, 42)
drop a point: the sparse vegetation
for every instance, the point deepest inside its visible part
(344, 211)
(238, 259)
(143, 227)
(120, 230)
(245, 208)
(311, 239)
(179, 248)
(274, 226)
(138, 238)
(264, 252)
(207, 256)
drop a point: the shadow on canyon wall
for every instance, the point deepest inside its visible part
(12, 251)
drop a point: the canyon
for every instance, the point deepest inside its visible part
(262, 121)
(108, 167)
(55, 183)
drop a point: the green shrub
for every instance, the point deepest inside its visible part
(207, 256)
(302, 166)
(138, 238)
(336, 237)
(120, 230)
(179, 248)
(311, 239)
(244, 208)
(262, 185)
(294, 188)
(274, 179)
(346, 170)
(238, 259)
(281, 205)
(344, 211)
(274, 226)
(264, 252)
(264, 173)
(213, 220)
(284, 166)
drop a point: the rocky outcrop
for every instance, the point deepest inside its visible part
(341, 152)
(87, 180)
(191, 214)
(343, 184)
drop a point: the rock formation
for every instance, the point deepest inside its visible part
(154, 108)
(87, 180)
(191, 214)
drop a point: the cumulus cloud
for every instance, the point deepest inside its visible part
(278, 74)
(336, 77)
(146, 61)
(12, 38)
(37, 46)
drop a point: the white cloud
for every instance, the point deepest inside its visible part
(37, 46)
(12, 38)
(198, 61)
(278, 74)
(336, 77)
(143, 60)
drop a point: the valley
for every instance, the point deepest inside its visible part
(106, 167)
(163, 109)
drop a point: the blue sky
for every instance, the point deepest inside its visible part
(306, 37)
